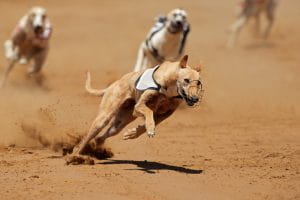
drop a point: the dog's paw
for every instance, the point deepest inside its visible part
(151, 133)
(79, 160)
(23, 61)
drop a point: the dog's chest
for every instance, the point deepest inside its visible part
(161, 104)
(167, 44)
(30, 45)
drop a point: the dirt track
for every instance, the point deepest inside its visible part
(243, 142)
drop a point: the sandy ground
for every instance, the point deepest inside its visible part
(243, 142)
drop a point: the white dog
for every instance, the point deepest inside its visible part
(165, 41)
(248, 9)
(30, 40)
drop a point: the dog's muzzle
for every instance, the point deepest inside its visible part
(38, 29)
(176, 25)
(191, 100)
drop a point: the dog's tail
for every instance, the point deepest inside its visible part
(89, 88)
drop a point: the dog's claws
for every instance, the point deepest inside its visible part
(151, 134)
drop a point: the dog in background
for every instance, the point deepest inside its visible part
(153, 94)
(249, 9)
(165, 41)
(29, 41)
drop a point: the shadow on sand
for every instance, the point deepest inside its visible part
(260, 45)
(152, 167)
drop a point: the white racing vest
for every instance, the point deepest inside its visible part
(146, 81)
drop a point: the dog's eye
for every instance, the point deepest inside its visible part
(198, 83)
(186, 80)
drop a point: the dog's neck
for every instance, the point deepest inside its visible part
(169, 34)
(166, 76)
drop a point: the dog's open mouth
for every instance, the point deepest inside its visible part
(176, 26)
(38, 30)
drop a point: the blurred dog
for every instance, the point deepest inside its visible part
(30, 40)
(252, 8)
(165, 41)
(153, 94)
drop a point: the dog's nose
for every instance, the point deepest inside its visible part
(195, 99)
(178, 23)
(38, 29)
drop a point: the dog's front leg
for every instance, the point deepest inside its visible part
(7, 69)
(141, 109)
(11, 51)
(139, 130)
(39, 60)
(139, 65)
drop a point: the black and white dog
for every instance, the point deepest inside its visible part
(165, 41)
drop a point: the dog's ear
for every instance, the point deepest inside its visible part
(183, 61)
(199, 67)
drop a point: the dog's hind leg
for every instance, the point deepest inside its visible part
(98, 124)
(123, 118)
(108, 109)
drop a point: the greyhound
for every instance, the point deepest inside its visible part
(165, 41)
(153, 94)
(252, 8)
(30, 40)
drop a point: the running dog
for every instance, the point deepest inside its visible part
(30, 40)
(153, 94)
(165, 41)
(252, 8)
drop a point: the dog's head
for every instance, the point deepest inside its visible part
(176, 20)
(37, 19)
(189, 85)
